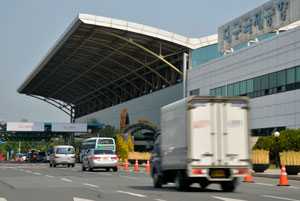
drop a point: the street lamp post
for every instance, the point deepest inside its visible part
(276, 134)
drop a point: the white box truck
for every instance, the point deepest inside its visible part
(203, 139)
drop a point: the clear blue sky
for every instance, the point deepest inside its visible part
(28, 29)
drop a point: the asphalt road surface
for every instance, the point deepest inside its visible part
(39, 182)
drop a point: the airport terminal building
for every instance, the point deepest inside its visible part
(250, 56)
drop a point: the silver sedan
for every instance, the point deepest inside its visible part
(99, 158)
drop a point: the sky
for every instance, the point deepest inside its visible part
(28, 29)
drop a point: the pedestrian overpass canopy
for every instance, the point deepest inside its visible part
(100, 62)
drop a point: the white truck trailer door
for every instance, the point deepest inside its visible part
(202, 134)
(233, 134)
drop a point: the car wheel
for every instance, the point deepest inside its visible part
(115, 169)
(180, 181)
(229, 186)
(156, 180)
(50, 164)
(69, 165)
(83, 168)
(90, 169)
(107, 169)
(73, 165)
(54, 165)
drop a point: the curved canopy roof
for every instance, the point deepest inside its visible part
(99, 62)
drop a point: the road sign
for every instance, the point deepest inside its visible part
(0, 142)
(2, 123)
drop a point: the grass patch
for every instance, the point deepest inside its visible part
(273, 166)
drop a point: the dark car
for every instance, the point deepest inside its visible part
(40, 156)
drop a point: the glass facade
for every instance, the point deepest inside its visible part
(284, 80)
(195, 92)
(208, 53)
(205, 54)
(265, 131)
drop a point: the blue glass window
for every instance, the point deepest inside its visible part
(213, 92)
(273, 80)
(236, 89)
(250, 86)
(290, 76)
(298, 74)
(230, 90)
(281, 78)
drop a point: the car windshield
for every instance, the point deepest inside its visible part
(65, 151)
(103, 152)
(42, 154)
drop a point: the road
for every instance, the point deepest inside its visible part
(39, 182)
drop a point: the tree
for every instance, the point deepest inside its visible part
(289, 140)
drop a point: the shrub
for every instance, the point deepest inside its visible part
(289, 140)
(122, 147)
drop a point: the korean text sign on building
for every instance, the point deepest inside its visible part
(269, 17)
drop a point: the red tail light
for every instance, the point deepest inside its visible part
(200, 171)
(95, 157)
(115, 157)
(239, 171)
(56, 156)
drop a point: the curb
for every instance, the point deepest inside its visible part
(275, 176)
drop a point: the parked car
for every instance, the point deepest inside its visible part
(62, 155)
(99, 158)
(46, 158)
(40, 156)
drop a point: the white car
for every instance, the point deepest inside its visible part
(99, 158)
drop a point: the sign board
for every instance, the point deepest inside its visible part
(2, 123)
(267, 18)
(24, 126)
(63, 127)
(1, 142)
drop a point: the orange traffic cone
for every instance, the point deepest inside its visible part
(118, 165)
(283, 177)
(148, 166)
(249, 178)
(126, 165)
(136, 166)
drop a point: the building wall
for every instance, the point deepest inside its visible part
(271, 55)
(146, 107)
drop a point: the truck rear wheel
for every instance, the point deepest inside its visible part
(156, 180)
(228, 186)
(181, 181)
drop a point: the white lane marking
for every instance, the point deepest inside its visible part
(281, 198)
(264, 184)
(134, 194)
(68, 180)
(3, 199)
(28, 171)
(227, 199)
(129, 177)
(37, 173)
(48, 175)
(293, 187)
(160, 200)
(81, 199)
(91, 185)
(105, 174)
